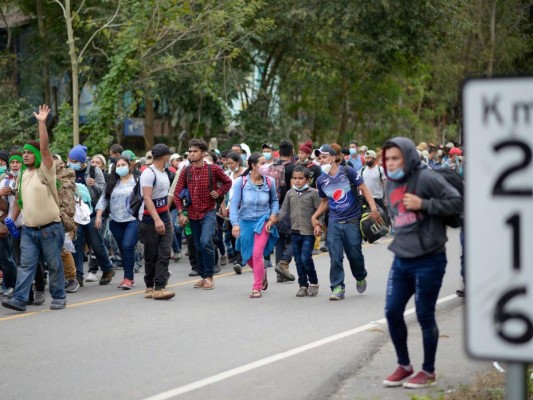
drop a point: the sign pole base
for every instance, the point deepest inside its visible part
(517, 380)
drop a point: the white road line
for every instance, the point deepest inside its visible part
(276, 357)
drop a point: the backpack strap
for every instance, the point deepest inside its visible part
(43, 179)
(210, 174)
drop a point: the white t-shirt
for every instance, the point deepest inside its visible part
(373, 180)
(159, 193)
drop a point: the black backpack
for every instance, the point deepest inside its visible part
(135, 200)
(455, 180)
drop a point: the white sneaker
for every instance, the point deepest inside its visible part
(90, 277)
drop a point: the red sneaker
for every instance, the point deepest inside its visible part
(126, 284)
(421, 380)
(398, 376)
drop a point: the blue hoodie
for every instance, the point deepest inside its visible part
(423, 232)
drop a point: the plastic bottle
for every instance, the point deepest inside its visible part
(12, 228)
(188, 230)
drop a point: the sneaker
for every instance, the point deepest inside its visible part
(39, 298)
(337, 293)
(421, 380)
(91, 277)
(126, 284)
(398, 376)
(13, 304)
(72, 286)
(282, 268)
(209, 283)
(238, 269)
(8, 292)
(177, 256)
(302, 292)
(312, 290)
(162, 294)
(460, 292)
(223, 260)
(231, 259)
(361, 286)
(217, 269)
(58, 304)
(193, 272)
(280, 278)
(148, 293)
(107, 277)
(199, 284)
(265, 281)
(324, 248)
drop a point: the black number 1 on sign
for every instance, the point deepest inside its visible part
(514, 221)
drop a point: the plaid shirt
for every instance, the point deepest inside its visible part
(198, 185)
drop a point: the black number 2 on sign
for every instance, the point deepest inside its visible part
(499, 189)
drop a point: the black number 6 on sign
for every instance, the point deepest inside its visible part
(503, 317)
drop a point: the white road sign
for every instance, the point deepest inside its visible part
(498, 132)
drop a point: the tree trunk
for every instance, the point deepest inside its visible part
(490, 65)
(46, 63)
(75, 82)
(149, 117)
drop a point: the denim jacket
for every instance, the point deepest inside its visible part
(118, 211)
(251, 202)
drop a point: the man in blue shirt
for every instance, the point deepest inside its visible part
(355, 159)
(338, 187)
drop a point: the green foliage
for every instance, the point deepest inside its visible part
(16, 127)
(61, 142)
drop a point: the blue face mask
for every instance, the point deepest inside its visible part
(267, 156)
(75, 167)
(396, 174)
(353, 151)
(122, 171)
(3, 169)
(243, 157)
(304, 187)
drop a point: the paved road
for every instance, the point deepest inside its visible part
(111, 344)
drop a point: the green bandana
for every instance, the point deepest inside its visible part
(37, 164)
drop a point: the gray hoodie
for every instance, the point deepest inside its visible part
(419, 233)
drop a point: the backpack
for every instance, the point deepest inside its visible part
(453, 178)
(84, 207)
(135, 199)
(277, 172)
(66, 195)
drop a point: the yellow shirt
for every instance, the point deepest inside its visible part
(39, 206)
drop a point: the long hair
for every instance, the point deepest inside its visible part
(114, 178)
(252, 160)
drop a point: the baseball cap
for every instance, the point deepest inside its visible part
(325, 149)
(449, 145)
(371, 153)
(456, 150)
(160, 150)
(267, 146)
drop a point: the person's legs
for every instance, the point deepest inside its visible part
(297, 244)
(29, 258)
(400, 288)
(7, 262)
(69, 267)
(207, 246)
(96, 242)
(196, 229)
(335, 247)
(126, 236)
(164, 250)
(351, 239)
(429, 272)
(260, 241)
(306, 247)
(149, 238)
(78, 255)
(52, 240)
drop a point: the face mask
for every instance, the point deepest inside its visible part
(3, 169)
(243, 157)
(15, 173)
(167, 165)
(112, 160)
(369, 163)
(263, 170)
(304, 187)
(267, 156)
(75, 167)
(236, 169)
(122, 171)
(353, 151)
(326, 168)
(396, 174)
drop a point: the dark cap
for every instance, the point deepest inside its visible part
(4, 155)
(325, 149)
(267, 146)
(160, 150)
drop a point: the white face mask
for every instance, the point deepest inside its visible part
(236, 169)
(326, 168)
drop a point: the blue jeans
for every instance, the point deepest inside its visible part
(203, 233)
(421, 276)
(126, 234)
(96, 242)
(283, 248)
(302, 248)
(345, 238)
(7, 263)
(176, 240)
(46, 244)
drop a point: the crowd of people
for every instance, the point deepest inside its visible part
(234, 206)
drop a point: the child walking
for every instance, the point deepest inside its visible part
(300, 203)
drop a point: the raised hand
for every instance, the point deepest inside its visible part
(44, 110)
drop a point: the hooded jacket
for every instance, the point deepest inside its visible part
(419, 233)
